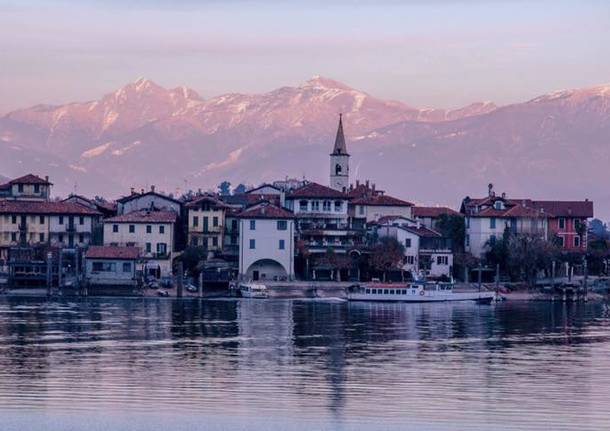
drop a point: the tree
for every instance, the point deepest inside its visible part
(452, 226)
(336, 261)
(191, 257)
(224, 188)
(529, 254)
(241, 188)
(387, 254)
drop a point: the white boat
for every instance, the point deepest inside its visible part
(415, 292)
(253, 290)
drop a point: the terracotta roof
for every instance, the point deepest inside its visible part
(112, 252)
(29, 179)
(433, 211)
(206, 198)
(422, 231)
(35, 207)
(566, 208)
(315, 190)
(266, 210)
(139, 195)
(381, 200)
(144, 216)
(262, 186)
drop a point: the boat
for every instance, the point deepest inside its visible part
(253, 290)
(415, 292)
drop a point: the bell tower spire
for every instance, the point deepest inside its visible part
(339, 161)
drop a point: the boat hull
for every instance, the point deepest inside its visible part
(482, 297)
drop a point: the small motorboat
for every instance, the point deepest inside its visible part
(253, 290)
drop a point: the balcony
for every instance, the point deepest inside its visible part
(71, 228)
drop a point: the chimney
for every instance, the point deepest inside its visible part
(503, 195)
(142, 191)
(367, 184)
(490, 190)
(46, 178)
(357, 183)
(152, 188)
(373, 186)
(133, 190)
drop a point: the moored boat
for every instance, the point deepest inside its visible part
(415, 292)
(253, 290)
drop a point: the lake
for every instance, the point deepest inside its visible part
(142, 364)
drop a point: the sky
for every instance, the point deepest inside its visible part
(440, 53)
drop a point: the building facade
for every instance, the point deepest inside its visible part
(206, 222)
(111, 266)
(266, 243)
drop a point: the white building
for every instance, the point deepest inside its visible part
(488, 218)
(427, 253)
(150, 200)
(266, 243)
(28, 187)
(111, 266)
(153, 232)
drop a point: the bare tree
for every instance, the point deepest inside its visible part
(387, 255)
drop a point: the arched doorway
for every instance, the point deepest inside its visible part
(266, 269)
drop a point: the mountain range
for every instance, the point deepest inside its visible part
(556, 146)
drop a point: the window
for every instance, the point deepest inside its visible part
(407, 242)
(498, 205)
(126, 266)
(385, 291)
(326, 206)
(282, 245)
(252, 224)
(206, 223)
(315, 205)
(561, 241)
(215, 241)
(20, 188)
(338, 206)
(442, 260)
(36, 188)
(161, 248)
(410, 260)
(195, 221)
(14, 236)
(103, 266)
(562, 223)
(148, 228)
(81, 220)
(492, 223)
(81, 238)
(14, 219)
(41, 219)
(576, 241)
(215, 221)
(161, 229)
(492, 239)
(148, 247)
(282, 225)
(361, 209)
(234, 225)
(252, 244)
(467, 240)
(303, 205)
(61, 219)
(132, 228)
(41, 237)
(60, 238)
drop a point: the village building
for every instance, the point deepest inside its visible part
(150, 200)
(58, 224)
(152, 232)
(111, 266)
(487, 219)
(266, 243)
(369, 204)
(28, 187)
(206, 222)
(106, 208)
(267, 192)
(568, 222)
(429, 216)
(427, 252)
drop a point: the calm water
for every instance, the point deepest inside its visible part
(119, 364)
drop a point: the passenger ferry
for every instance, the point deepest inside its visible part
(414, 292)
(253, 290)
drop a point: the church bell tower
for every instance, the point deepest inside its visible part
(339, 161)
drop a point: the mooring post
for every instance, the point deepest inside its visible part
(586, 275)
(553, 280)
(49, 272)
(201, 284)
(479, 276)
(180, 280)
(466, 277)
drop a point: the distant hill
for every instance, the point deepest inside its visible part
(555, 146)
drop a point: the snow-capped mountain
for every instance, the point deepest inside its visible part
(553, 146)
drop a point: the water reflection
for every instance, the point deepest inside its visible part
(317, 363)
